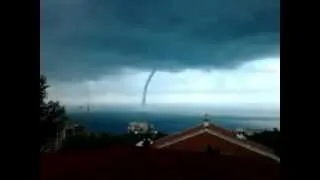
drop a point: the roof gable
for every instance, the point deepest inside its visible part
(217, 132)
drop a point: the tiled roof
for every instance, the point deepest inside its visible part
(232, 135)
(213, 128)
(175, 136)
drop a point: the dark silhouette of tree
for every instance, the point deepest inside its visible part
(52, 114)
(43, 88)
(43, 95)
(55, 112)
(268, 138)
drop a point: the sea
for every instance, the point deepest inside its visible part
(117, 121)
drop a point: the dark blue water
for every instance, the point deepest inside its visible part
(117, 122)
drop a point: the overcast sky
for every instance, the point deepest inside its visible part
(212, 52)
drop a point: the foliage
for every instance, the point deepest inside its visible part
(55, 112)
(43, 95)
(43, 88)
(268, 138)
(52, 114)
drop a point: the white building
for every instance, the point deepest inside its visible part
(139, 127)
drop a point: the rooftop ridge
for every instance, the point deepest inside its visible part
(217, 131)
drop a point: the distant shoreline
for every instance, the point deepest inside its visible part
(185, 110)
(117, 122)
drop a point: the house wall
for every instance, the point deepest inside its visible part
(200, 142)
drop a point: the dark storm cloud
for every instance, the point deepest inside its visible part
(90, 38)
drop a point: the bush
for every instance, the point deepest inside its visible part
(268, 138)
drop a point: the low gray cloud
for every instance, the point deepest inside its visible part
(84, 39)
